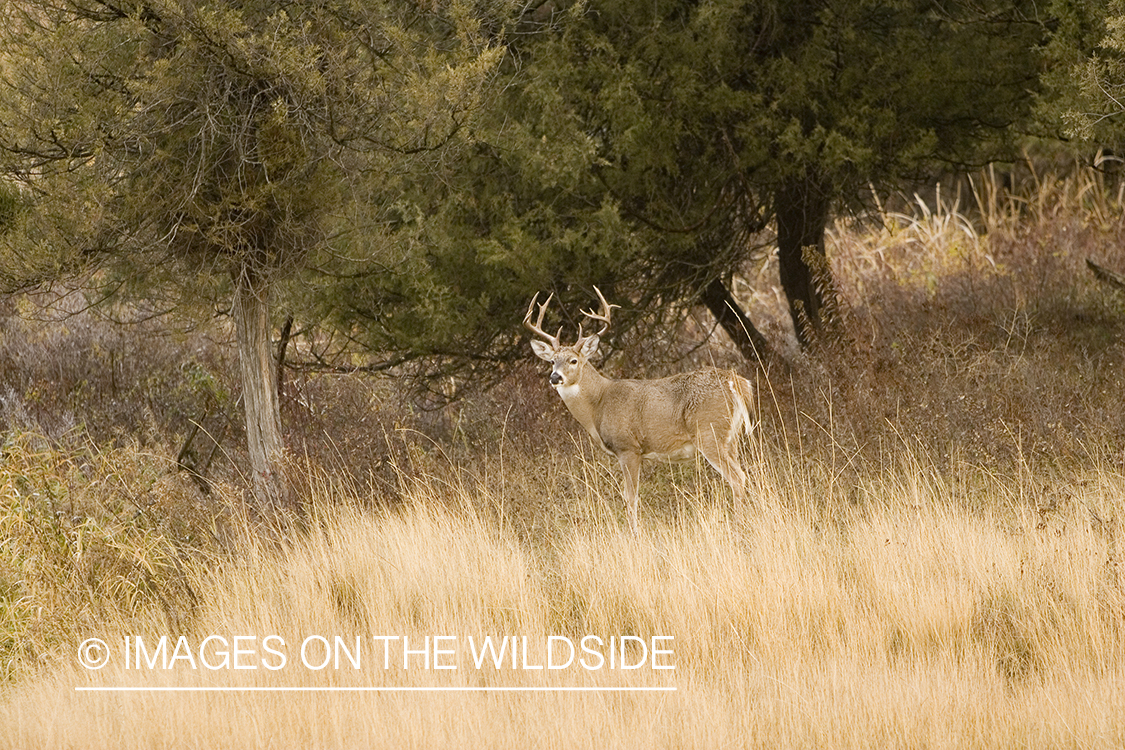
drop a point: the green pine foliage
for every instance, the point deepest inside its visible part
(642, 147)
(175, 137)
(698, 108)
(1089, 81)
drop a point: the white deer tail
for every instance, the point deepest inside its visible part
(742, 394)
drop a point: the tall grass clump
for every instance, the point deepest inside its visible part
(92, 536)
(971, 323)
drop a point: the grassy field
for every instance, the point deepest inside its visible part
(925, 615)
(934, 556)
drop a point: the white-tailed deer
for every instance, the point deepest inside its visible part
(670, 419)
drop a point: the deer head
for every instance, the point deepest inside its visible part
(568, 361)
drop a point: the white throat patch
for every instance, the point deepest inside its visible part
(568, 392)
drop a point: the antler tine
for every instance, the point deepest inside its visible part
(602, 316)
(537, 328)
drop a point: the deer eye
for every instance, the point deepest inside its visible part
(574, 360)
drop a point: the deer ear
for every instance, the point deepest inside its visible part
(590, 346)
(543, 350)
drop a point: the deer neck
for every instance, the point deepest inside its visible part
(584, 397)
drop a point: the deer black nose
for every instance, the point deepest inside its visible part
(555, 378)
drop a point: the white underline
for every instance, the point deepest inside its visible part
(373, 689)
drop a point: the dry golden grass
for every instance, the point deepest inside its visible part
(920, 611)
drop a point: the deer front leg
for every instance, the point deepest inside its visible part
(631, 469)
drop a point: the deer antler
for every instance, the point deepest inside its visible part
(602, 316)
(537, 328)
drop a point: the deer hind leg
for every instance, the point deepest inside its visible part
(723, 457)
(631, 469)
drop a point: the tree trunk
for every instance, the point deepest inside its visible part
(802, 213)
(259, 391)
(749, 340)
(282, 345)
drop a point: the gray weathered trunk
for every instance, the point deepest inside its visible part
(259, 390)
